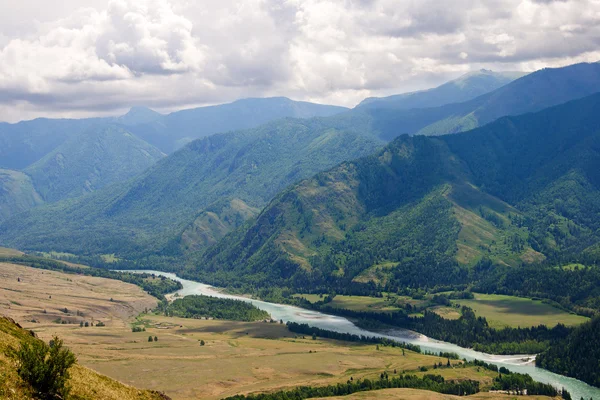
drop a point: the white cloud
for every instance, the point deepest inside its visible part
(170, 54)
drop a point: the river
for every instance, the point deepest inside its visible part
(516, 363)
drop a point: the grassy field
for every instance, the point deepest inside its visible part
(4, 252)
(28, 294)
(501, 311)
(238, 357)
(573, 266)
(446, 312)
(85, 383)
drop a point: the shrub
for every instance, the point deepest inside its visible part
(46, 367)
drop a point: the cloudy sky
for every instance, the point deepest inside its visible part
(73, 58)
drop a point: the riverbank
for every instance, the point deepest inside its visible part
(516, 363)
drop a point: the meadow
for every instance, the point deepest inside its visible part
(502, 311)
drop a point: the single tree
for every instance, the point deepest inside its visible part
(202, 343)
(150, 338)
(155, 339)
(46, 367)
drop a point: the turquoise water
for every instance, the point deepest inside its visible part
(516, 363)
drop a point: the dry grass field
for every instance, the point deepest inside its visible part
(28, 294)
(238, 357)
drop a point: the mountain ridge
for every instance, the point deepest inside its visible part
(151, 212)
(98, 157)
(424, 202)
(461, 89)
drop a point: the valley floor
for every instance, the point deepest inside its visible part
(238, 357)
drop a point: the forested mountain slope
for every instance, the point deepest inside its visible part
(464, 88)
(68, 158)
(169, 207)
(97, 157)
(576, 356)
(17, 194)
(26, 142)
(425, 209)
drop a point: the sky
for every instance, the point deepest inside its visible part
(80, 58)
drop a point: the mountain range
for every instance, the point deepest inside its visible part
(69, 158)
(171, 132)
(151, 212)
(519, 190)
(533, 92)
(464, 88)
(190, 199)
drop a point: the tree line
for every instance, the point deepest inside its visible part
(213, 307)
(306, 329)
(434, 383)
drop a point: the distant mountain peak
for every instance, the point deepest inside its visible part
(466, 87)
(139, 115)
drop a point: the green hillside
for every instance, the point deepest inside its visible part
(214, 222)
(177, 195)
(86, 162)
(517, 191)
(17, 193)
(464, 88)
